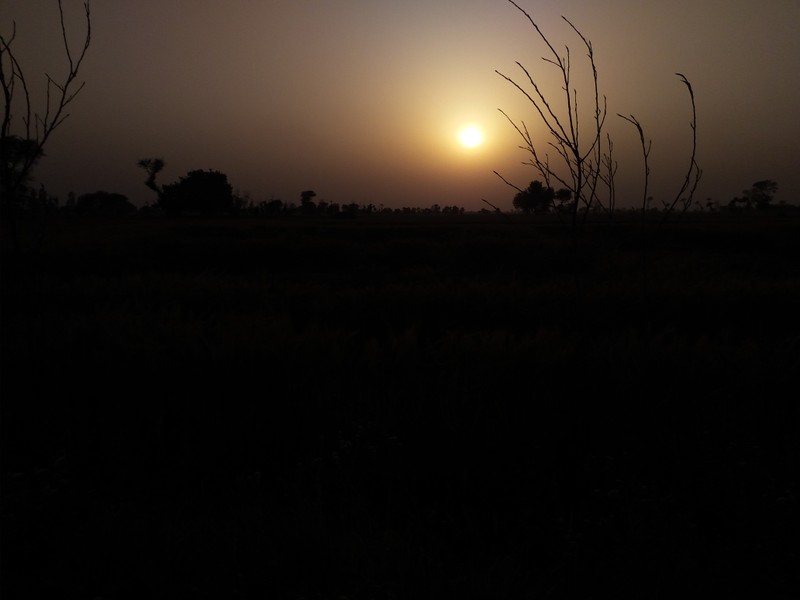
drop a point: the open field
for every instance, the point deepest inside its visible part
(401, 407)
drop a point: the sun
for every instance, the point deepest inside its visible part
(470, 136)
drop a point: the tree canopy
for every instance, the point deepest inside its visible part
(536, 198)
(206, 192)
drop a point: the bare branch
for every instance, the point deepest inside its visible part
(608, 177)
(507, 182)
(646, 147)
(583, 164)
(50, 124)
(21, 152)
(559, 62)
(496, 209)
(9, 86)
(694, 172)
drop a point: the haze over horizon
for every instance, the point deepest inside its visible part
(363, 101)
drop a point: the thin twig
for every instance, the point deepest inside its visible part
(508, 183)
(694, 172)
(646, 147)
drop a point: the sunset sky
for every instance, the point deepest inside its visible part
(364, 100)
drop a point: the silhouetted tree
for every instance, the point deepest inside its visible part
(536, 198)
(349, 211)
(152, 166)
(306, 204)
(206, 192)
(200, 191)
(104, 204)
(563, 199)
(270, 207)
(30, 201)
(761, 194)
(21, 150)
(18, 156)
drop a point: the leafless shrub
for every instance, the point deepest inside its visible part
(21, 146)
(582, 161)
(586, 162)
(693, 174)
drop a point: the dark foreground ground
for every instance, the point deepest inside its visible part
(385, 408)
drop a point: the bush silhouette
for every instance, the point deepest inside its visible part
(761, 194)
(206, 192)
(536, 198)
(104, 204)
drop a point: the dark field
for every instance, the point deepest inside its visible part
(394, 407)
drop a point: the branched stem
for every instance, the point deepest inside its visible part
(646, 147)
(694, 172)
(20, 152)
(581, 163)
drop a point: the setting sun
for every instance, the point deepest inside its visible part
(471, 136)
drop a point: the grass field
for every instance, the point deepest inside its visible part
(401, 407)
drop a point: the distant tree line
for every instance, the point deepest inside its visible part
(308, 207)
(38, 202)
(209, 193)
(759, 196)
(540, 199)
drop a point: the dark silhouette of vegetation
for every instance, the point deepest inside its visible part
(586, 162)
(693, 174)
(32, 202)
(306, 203)
(24, 131)
(582, 158)
(18, 156)
(536, 198)
(152, 166)
(205, 192)
(266, 208)
(104, 204)
(199, 192)
(759, 196)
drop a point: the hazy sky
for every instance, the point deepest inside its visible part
(362, 100)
